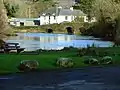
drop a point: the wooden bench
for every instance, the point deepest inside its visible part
(7, 47)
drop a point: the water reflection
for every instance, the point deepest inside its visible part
(34, 41)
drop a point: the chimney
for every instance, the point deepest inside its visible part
(71, 8)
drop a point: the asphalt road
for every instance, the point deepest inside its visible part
(91, 78)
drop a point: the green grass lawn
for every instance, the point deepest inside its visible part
(9, 62)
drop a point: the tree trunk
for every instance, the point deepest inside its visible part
(117, 36)
(3, 20)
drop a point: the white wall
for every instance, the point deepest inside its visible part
(14, 23)
(53, 20)
(45, 20)
(61, 19)
(92, 20)
(58, 19)
(29, 23)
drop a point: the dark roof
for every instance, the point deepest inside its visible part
(62, 11)
(70, 12)
(78, 13)
(50, 11)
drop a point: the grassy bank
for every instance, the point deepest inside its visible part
(47, 59)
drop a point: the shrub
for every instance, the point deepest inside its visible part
(82, 30)
(28, 65)
(65, 62)
(114, 54)
(106, 60)
(93, 61)
(90, 60)
(66, 48)
(86, 60)
(93, 45)
(82, 52)
(105, 53)
(101, 54)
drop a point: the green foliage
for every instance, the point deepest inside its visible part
(11, 9)
(85, 6)
(90, 61)
(105, 30)
(65, 62)
(106, 60)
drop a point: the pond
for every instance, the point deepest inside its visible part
(34, 41)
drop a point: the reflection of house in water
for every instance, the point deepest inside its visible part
(61, 38)
(49, 39)
(53, 41)
(36, 38)
(41, 39)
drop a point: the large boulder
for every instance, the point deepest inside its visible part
(106, 60)
(65, 62)
(28, 65)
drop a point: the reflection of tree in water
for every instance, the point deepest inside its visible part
(30, 38)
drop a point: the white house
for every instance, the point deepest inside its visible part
(53, 15)
(24, 21)
(60, 15)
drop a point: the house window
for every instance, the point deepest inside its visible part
(15, 22)
(44, 18)
(36, 22)
(54, 17)
(66, 17)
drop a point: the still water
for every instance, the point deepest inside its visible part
(34, 41)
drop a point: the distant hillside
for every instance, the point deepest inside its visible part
(29, 9)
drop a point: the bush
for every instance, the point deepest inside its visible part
(81, 52)
(28, 65)
(106, 60)
(68, 48)
(91, 51)
(90, 60)
(105, 53)
(65, 62)
(101, 54)
(93, 61)
(86, 60)
(82, 30)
